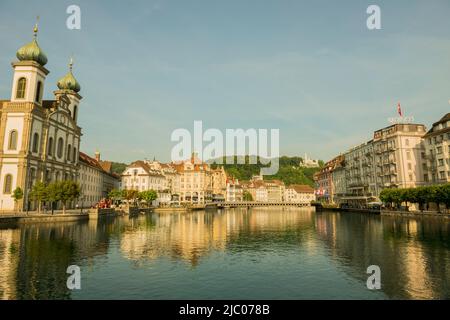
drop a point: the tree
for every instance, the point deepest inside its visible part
(386, 196)
(443, 195)
(115, 195)
(130, 195)
(148, 196)
(17, 195)
(39, 193)
(69, 191)
(247, 196)
(53, 194)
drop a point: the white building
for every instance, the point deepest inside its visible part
(234, 191)
(301, 194)
(39, 139)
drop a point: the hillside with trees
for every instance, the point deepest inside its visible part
(289, 171)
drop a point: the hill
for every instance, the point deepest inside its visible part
(289, 171)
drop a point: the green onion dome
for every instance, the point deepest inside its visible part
(68, 82)
(32, 51)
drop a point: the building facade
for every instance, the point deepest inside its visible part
(96, 180)
(39, 139)
(437, 152)
(301, 194)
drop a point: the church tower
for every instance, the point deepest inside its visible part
(29, 73)
(70, 87)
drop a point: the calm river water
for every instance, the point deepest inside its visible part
(232, 254)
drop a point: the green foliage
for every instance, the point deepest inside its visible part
(148, 196)
(289, 171)
(247, 196)
(422, 195)
(115, 194)
(130, 194)
(118, 168)
(17, 194)
(38, 193)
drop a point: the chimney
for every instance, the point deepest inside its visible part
(97, 156)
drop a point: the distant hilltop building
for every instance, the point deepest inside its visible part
(309, 163)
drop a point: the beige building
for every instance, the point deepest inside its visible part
(399, 156)
(437, 152)
(301, 194)
(234, 191)
(96, 179)
(39, 139)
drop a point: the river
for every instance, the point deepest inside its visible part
(266, 253)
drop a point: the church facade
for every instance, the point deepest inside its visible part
(39, 139)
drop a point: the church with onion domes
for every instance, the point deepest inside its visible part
(39, 139)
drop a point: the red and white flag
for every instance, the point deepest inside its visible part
(399, 110)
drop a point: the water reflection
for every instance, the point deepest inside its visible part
(413, 255)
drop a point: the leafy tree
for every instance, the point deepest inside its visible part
(130, 195)
(53, 194)
(247, 196)
(17, 195)
(115, 195)
(39, 193)
(148, 196)
(69, 191)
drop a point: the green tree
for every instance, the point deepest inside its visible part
(148, 196)
(115, 195)
(53, 194)
(247, 196)
(442, 195)
(17, 195)
(130, 195)
(386, 196)
(69, 191)
(39, 193)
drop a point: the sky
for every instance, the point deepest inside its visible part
(311, 69)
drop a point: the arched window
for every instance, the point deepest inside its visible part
(21, 86)
(60, 147)
(12, 143)
(50, 147)
(38, 91)
(7, 186)
(69, 147)
(57, 176)
(75, 109)
(35, 143)
(74, 155)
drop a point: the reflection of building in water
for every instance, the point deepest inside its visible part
(397, 246)
(193, 235)
(9, 245)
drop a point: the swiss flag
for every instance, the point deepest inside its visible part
(399, 110)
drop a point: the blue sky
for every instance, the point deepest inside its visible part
(309, 68)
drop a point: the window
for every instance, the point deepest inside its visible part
(408, 155)
(60, 147)
(12, 144)
(75, 109)
(7, 187)
(407, 142)
(69, 147)
(50, 147)
(21, 85)
(439, 150)
(441, 162)
(74, 155)
(38, 91)
(35, 148)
